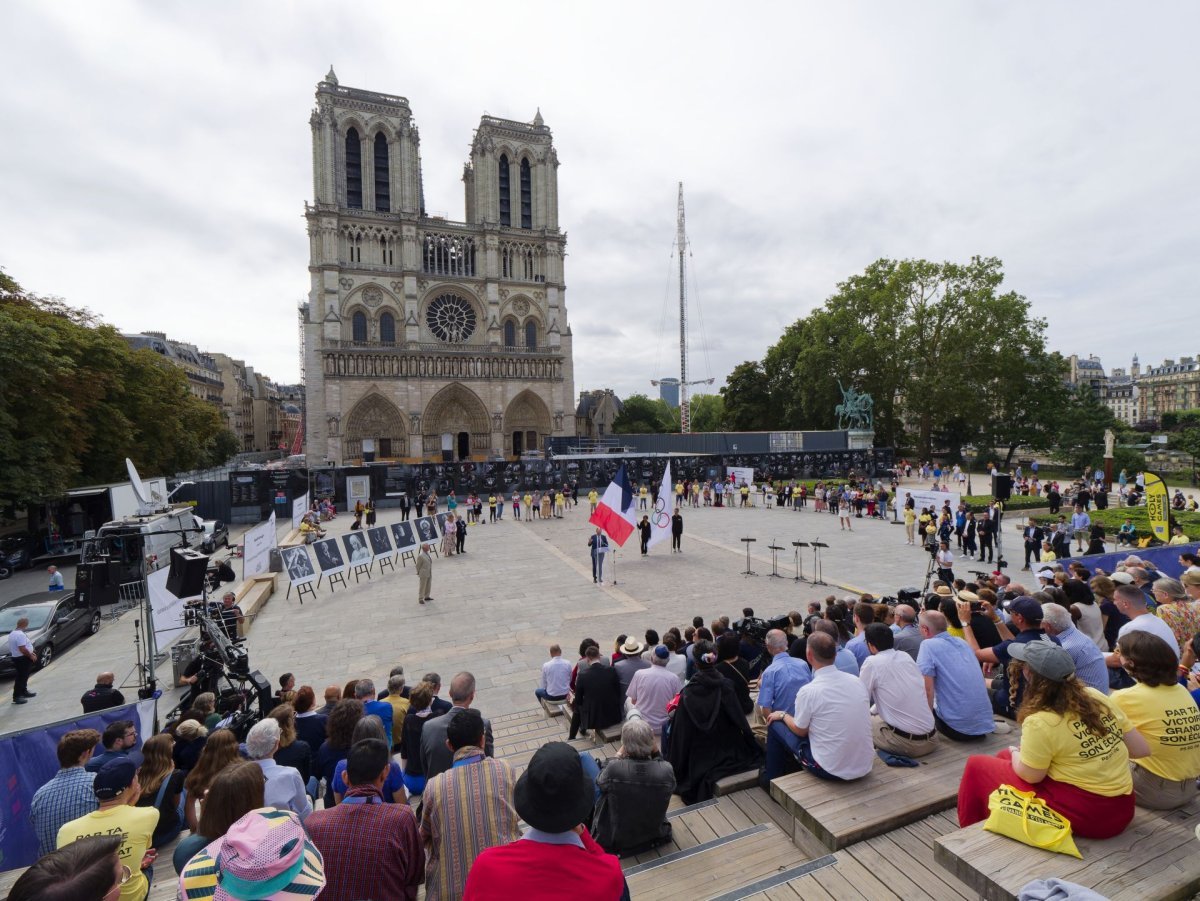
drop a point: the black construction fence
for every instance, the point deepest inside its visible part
(252, 495)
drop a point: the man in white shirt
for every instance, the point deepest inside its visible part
(556, 677)
(945, 563)
(20, 648)
(903, 722)
(829, 735)
(651, 690)
(1131, 601)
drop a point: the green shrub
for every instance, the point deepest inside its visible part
(977, 503)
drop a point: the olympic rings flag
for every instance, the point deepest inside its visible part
(660, 519)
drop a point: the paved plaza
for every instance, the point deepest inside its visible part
(520, 587)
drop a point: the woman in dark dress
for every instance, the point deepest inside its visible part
(339, 736)
(310, 725)
(190, 737)
(734, 668)
(709, 735)
(420, 711)
(293, 751)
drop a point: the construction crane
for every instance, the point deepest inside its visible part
(685, 419)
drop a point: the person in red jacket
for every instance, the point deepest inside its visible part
(557, 857)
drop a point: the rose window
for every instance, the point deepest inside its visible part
(451, 318)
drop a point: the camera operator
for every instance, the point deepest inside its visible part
(945, 562)
(231, 616)
(201, 674)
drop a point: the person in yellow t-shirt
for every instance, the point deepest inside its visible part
(593, 499)
(1163, 711)
(643, 498)
(910, 520)
(1076, 745)
(116, 787)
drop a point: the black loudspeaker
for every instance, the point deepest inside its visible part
(1001, 487)
(96, 582)
(262, 688)
(186, 578)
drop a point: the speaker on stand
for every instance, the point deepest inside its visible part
(1001, 487)
(186, 578)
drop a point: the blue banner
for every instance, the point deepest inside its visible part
(1164, 558)
(28, 760)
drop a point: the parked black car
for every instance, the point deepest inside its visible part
(57, 619)
(216, 534)
(17, 551)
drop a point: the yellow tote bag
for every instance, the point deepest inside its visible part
(1025, 817)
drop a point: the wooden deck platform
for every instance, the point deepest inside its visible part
(838, 814)
(1156, 858)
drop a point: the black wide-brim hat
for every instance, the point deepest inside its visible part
(554, 794)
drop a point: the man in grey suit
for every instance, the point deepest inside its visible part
(424, 574)
(436, 756)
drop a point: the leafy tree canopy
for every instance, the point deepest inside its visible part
(75, 400)
(642, 416)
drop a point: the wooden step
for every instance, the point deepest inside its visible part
(735, 783)
(1155, 858)
(838, 814)
(716, 867)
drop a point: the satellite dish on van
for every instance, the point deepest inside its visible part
(145, 506)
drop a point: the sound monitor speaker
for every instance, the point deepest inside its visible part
(186, 578)
(1001, 487)
(93, 582)
(262, 688)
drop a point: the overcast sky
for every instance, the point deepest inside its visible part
(156, 157)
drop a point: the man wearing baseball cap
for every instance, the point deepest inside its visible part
(557, 857)
(116, 788)
(1026, 615)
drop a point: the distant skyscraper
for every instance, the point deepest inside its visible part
(668, 390)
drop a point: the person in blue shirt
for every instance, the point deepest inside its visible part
(365, 692)
(864, 615)
(56, 579)
(954, 686)
(782, 678)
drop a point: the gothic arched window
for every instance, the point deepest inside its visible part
(387, 328)
(353, 170)
(510, 333)
(383, 193)
(359, 327)
(505, 210)
(526, 195)
(531, 334)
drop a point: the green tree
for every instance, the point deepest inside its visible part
(708, 412)
(936, 345)
(747, 399)
(642, 416)
(75, 400)
(1083, 422)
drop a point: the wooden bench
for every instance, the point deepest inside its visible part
(838, 814)
(252, 594)
(608, 733)
(293, 539)
(735, 783)
(552, 708)
(1157, 857)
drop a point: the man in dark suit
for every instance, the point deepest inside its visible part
(436, 757)
(599, 701)
(1034, 536)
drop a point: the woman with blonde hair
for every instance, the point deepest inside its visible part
(162, 787)
(236, 790)
(190, 737)
(1076, 745)
(449, 538)
(220, 751)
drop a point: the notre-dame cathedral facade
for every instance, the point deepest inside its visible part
(425, 337)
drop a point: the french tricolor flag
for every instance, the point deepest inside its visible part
(615, 513)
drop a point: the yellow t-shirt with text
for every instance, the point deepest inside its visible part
(1170, 720)
(1069, 753)
(134, 824)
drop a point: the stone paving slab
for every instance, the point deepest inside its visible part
(520, 587)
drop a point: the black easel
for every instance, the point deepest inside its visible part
(799, 564)
(775, 549)
(816, 546)
(748, 571)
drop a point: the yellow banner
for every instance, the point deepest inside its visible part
(1158, 507)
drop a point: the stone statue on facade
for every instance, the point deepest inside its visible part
(856, 411)
(1110, 439)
